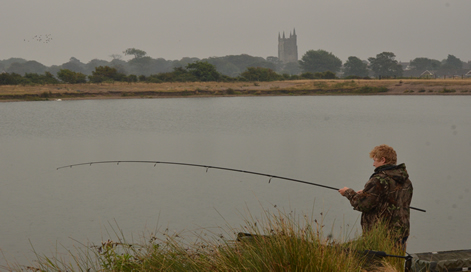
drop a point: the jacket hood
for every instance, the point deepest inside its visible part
(396, 172)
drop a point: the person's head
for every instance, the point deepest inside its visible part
(383, 154)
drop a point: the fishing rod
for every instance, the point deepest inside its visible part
(213, 167)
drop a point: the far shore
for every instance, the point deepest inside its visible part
(214, 89)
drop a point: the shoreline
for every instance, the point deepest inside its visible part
(119, 90)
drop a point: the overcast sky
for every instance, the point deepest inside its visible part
(172, 29)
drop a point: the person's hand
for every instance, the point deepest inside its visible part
(342, 191)
(359, 192)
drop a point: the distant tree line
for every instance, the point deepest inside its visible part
(314, 64)
(199, 71)
(383, 65)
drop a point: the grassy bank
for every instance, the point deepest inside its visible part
(282, 243)
(201, 89)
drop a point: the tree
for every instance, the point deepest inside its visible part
(74, 65)
(106, 73)
(119, 65)
(422, 64)
(71, 77)
(4, 64)
(452, 63)
(137, 53)
(260, 74)
(203, 71)
(320, 61)
(10, 79)
(224, 66)
(355, 67)
(291, 68)
(142, 64)
(240, 61)
(278, 63)
(185, 61)
(131, 78)
(27, 67)
(47, 78)
(308, 75)
(116, 56)
(91, 65)
(385, 65)
(326, 75)
(229, 69)
(263, 64)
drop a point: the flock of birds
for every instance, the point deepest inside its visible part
(40, 38)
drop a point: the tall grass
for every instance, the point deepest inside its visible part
(277, 242)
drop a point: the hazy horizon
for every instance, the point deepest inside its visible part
(182, 28)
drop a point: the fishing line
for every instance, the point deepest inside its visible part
(214, 167)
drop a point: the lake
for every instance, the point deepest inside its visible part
(320, 139)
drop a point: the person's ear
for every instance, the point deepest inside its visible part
(383, 160)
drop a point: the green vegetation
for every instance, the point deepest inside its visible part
(106, 74)
(314, 64)
(319, 61)
(276, 242)
(423, 64)
(355, 67)
(368, 89)
(452, 63)
(445, 90)
(199, 71)
(137, 53)
(260, 74)
(321, 85)
(345, 85)
(71, 77)
(27, 79)
(385, 65)
(348, 87)
(203, 71)
(230, 67)
(318, 75)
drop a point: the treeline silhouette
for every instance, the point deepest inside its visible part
(232, 65)
(191, 72)
(315, 64)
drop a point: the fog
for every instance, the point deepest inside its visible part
(182, 28)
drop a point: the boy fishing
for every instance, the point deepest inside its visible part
(386, 196)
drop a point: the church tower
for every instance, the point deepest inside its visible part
(288, 47)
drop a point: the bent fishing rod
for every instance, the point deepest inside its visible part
(214, 167)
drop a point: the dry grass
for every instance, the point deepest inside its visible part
(277, 242)
(292, 87)
(140, 87)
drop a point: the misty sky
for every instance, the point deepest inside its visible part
(172, 29)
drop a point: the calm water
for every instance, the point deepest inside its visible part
(319, 139)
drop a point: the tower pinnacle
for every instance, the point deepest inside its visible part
(287, 47)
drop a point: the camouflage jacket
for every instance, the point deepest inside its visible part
(386, 196)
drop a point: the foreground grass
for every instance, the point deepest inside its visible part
(275, 243)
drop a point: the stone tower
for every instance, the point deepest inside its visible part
(288, 48)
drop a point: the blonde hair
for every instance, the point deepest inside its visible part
(384, 151)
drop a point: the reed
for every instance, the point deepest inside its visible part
(276, 242)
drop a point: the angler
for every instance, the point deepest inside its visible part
(386, 196)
